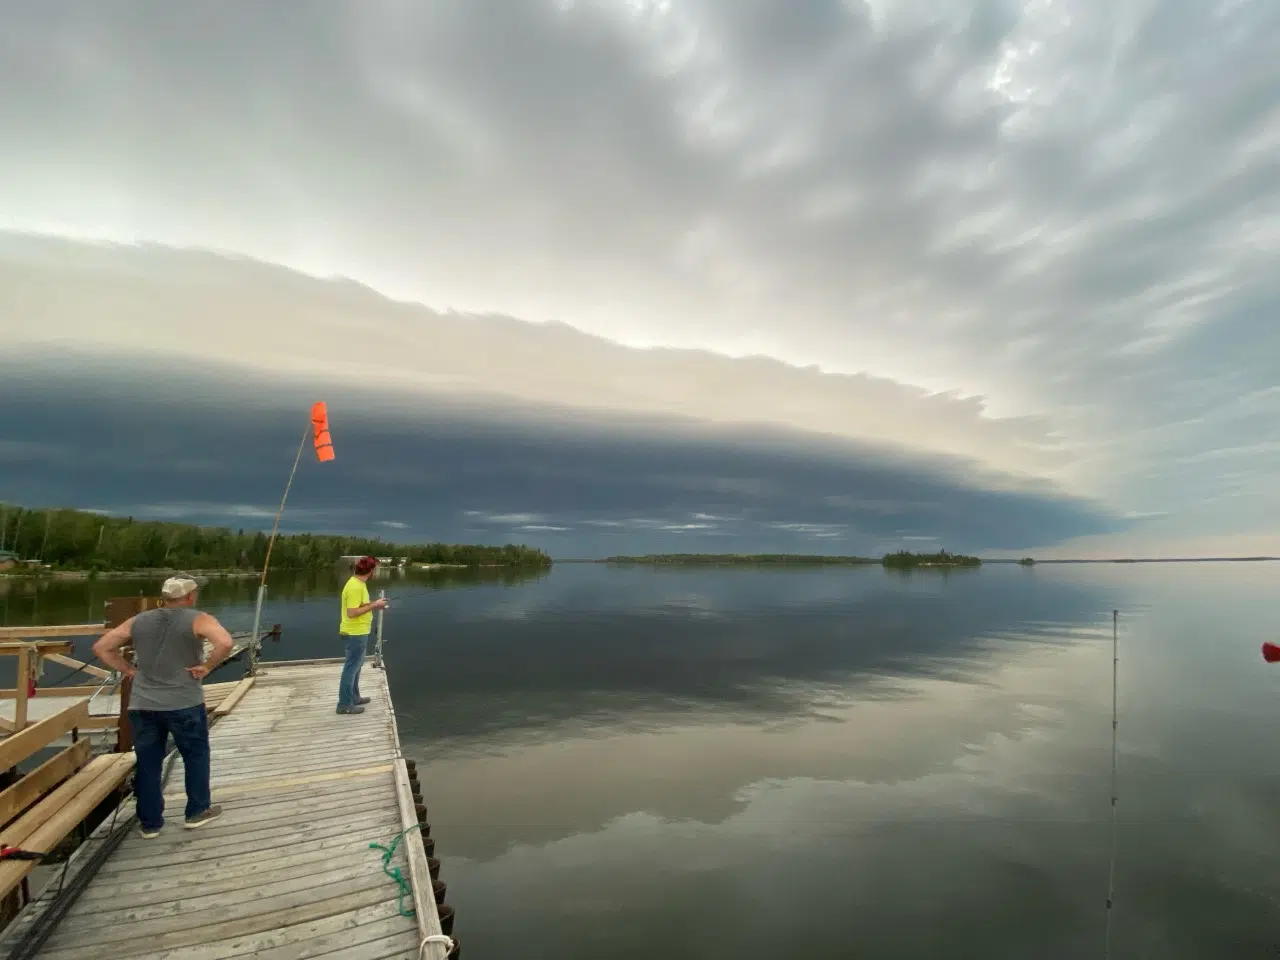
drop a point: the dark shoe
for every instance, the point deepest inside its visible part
(351, 709)
(361, 701)
(148, 833)
(200, 819)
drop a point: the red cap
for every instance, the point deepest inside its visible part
(365, 565)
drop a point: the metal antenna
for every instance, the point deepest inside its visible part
(1115, 724)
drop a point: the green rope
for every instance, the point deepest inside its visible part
(394, 873)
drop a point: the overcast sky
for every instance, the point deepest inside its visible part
(1009, 250)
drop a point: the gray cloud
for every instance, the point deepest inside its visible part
(1065, 213)
(488, 473)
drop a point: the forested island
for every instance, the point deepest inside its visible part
(906, 560)
(899, 560)
(79, 540)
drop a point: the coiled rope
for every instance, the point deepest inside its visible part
(406, 889)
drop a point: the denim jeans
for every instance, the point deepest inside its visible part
(349, 685)
(151, 730)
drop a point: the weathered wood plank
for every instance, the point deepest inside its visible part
(358, 756)
(189, 932)
(428, 920)
(245, 869)
(15, 799)
(10, 693)
(55, 630)
(174, 886)
(252, 839)
(16, 748)
(52, 832)
(397, 945)
(135, 923)
(80, 665)
(326, 791)
(297, 941)
(15, 833)
(233, 745)
(23, 674)
(236, 696)
(258, 786)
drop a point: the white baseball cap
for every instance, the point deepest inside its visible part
(175, 588)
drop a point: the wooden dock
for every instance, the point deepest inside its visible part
(288, 872)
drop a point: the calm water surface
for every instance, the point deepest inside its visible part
(828, 763)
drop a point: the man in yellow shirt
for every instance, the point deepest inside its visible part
(356, 623)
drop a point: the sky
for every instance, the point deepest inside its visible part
(619, 275)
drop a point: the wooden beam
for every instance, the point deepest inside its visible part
(424, 899)
(87, 794)
(100, 721)
(124, 729)
(35, 818)
(236, 695)
(44, 693)
(10, 648)
(23, 675)
(56, 630)
(15, 749)
(45, 777)
(80, 665)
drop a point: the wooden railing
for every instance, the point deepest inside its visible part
(33, 644)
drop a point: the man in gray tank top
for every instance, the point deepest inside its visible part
(167, 698)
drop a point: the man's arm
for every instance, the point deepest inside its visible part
(353, 612)
(208, 628)
(107, 648)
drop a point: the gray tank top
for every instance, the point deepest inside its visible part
(164, 645)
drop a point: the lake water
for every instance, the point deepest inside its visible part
(627, 763)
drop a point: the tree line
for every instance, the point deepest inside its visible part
(80, 540)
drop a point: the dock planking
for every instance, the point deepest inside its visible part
(287, 872)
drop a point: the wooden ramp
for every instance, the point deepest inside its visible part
(287, 872)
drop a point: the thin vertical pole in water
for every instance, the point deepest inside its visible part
(1115, 724)
(257, 626)
(377, 655)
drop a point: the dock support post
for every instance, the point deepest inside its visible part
(124, 729)
(377, 649)
(257, 626)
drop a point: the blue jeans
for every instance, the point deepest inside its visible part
(349, 685)
(151, 730)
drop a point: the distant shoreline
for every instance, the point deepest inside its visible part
(902, 560)
(126, 574)
(802, 560)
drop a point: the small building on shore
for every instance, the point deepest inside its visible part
(384, 563)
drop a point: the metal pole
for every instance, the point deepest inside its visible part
(257, 625)
(377, 650)
(266, 562)
(1115, 724)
